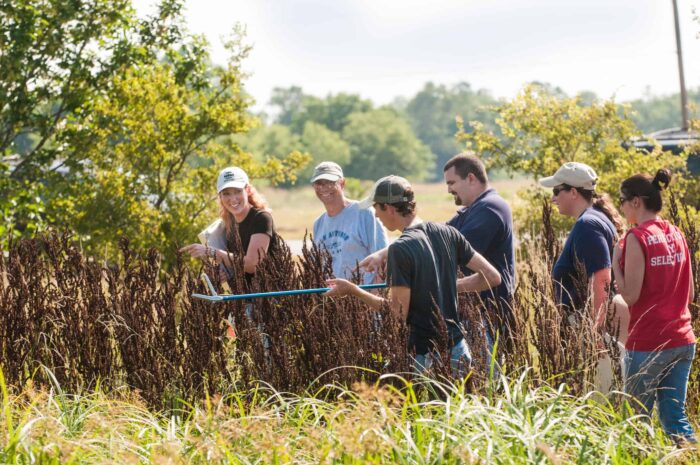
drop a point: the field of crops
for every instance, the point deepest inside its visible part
(114, 363)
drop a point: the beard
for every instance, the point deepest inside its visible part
(458, 201)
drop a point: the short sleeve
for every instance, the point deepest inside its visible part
(398, 267)
(372, 232)
(591, 248)
(263, 224)
(465, 251)
(481, 228)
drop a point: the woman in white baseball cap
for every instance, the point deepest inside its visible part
(246, 220)
(589, 243)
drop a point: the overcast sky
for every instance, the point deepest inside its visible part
(382, 49)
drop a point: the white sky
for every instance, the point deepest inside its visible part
(382, 49)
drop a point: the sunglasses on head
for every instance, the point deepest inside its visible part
(557, 189)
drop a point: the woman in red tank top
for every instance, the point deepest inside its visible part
(653, 274)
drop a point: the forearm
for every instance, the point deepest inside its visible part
(222, 256)
(600, 299)
(371, 300)
(473, 283)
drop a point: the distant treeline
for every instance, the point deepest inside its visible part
(412, 136)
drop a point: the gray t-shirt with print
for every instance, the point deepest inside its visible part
(350, 236)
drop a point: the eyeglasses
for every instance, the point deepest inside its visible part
(557, 189)
(324, 184)
(623, 200)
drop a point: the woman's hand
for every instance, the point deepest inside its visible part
(196, 250)
(340, 287)
(617, 252)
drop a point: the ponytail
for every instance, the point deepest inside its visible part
(602, 203)
(647, 188)
(661, 180)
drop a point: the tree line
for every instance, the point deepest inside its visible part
(116, 125)
(413, 137)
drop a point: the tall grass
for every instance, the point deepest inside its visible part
(132, 330)
(370, 423)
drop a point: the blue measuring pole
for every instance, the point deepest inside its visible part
(319, 290)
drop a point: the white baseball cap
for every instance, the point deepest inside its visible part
(231, 177)
(572, 174)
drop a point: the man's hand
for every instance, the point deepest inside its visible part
(374, 263)
(340, 287)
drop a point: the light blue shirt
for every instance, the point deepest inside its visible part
(349, 237)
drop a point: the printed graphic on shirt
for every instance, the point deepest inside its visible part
(334, 241)
(669, 241)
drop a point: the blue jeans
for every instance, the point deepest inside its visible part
(460, 360)
(662, 376)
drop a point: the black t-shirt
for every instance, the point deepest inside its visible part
(256, 222)
(425, 259)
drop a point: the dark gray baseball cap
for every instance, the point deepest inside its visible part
(389, 189)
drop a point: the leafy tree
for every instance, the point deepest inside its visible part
(289, 102)
(382, 143)
(136, 151)
(538, 132)
(654, 113)
(323, 144)
(333, 111)
(433, 112)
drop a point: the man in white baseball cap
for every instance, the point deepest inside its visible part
(346, 230)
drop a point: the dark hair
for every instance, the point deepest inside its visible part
(465, 163)
(604, 204)
(404, 208)
(647, 188)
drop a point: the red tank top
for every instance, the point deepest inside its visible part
(660, 319)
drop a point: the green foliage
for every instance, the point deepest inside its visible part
(382, 143)
(433, 112)
(118, 125)
(653, 113)
(333, 111)
(539, 131)
(323, 145)
(365, 424)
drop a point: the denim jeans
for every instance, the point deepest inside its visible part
(662, 376)
(460, 360)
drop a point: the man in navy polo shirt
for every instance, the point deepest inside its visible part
(486, 221)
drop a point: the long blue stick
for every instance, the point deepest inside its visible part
(319, 290)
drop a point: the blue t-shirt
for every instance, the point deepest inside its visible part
(590, 242)
(488, 226)
(349, 237)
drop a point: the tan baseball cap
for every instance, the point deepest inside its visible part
(573, 174)
(327, 170)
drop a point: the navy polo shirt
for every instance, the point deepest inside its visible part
(590, 243)
(488, 226)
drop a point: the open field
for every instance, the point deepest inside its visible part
(296, 209)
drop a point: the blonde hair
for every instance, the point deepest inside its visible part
(255, 199)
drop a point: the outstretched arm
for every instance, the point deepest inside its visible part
(485, 276)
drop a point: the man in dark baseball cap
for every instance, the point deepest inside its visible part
(422, 275)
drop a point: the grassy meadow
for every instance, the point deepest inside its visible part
(296, 209)
(115, 363)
